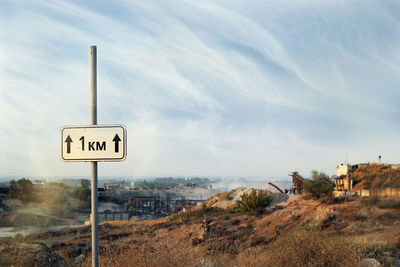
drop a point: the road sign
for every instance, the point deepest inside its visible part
(93, 143)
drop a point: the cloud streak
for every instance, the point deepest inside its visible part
(225, 88)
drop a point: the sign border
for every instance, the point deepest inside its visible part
(125, 152)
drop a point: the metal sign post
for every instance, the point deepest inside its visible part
(93, 143)
(94, 204)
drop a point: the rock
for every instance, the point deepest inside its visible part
(80, 259)
(396, 263)
(29, 254)
(196, 241)
(370, 262)
(204, 263)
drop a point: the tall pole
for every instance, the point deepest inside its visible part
(94, 203)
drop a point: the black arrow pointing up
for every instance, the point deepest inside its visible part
(68, 141)
(116, 140)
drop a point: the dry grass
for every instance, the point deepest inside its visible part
(292, 249)
(302, 233)
(303, 249)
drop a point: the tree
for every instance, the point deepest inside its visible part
(318, 176)
(23, 190)
(39, 182)
(318, 187)
(13, 189)
(85, 183)
(83, 193)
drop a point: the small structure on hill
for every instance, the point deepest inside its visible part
(298, 182)
(343, 181)
(347, 175)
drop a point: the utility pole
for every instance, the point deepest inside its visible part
(94, 200)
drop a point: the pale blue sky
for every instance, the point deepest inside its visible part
(207, 88)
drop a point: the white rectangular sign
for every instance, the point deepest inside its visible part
(93, 143)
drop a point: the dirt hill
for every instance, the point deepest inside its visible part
(330, 232)
(375, 176)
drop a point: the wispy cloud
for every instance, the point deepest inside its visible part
(229, 88)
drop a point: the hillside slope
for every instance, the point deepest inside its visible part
(296, 233)
(374, 176)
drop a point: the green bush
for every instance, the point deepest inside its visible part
(256, 199)
(318, 187)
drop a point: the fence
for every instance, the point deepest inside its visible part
(113, 216)
(380, 193)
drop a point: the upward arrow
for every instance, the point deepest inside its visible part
(116, 140)
(68, 141)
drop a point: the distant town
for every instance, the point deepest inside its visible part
(44, 203)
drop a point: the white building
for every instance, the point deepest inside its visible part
(343, 182)
(343, 169)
